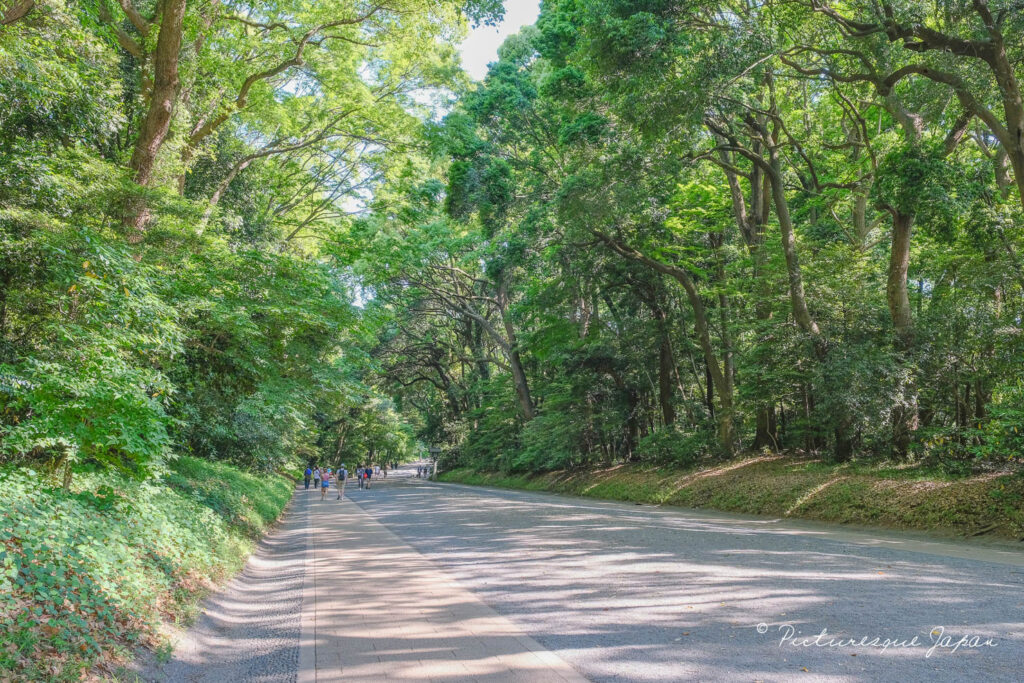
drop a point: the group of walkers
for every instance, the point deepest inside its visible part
(423, 471)
(321, 478)
(364, 475)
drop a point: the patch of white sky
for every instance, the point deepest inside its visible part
(481, 45)
(476, 52)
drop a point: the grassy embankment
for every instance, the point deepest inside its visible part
(87, 577)
(882, 495)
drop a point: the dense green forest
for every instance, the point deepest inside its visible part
(657, 231)
(176, 176)
(665, 231)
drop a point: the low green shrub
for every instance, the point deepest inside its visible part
(675, 447)
(86, 575)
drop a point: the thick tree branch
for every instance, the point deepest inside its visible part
(141, 24)
(127, 43)
(297, 59)
(17, 10)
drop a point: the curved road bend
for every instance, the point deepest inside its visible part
(637, 593)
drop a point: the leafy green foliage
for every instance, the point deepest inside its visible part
(90, 573)
(86, 328)
(673, 448)
(916, 180)
(173, 287)
(705, 226)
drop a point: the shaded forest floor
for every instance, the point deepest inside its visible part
(879, 494)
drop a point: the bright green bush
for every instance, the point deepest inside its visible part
(675, 447)
(87, 574)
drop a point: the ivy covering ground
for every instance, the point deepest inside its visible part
(87, 576)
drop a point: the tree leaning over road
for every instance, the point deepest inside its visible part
(793, 226)
(173, 170)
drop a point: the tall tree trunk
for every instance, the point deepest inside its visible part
(725, 416)
(162, 99)
(709, 393)
(765, 434)
(476, 343)
(728, 367)
(515, 362)
(751, 218)
(68, 474)
(810, 442)
(222, 187)
(905, 419)
(1001, 169)
(905, 415)
(1013, 108)
(982, 396)
(521, 385)
(861, 227)
(6, 277)
(896, 286)
(666, 365)
(339, 445)
(632, 424)
(507, 342)
(798, 299)
(15, 11)
(844, 443)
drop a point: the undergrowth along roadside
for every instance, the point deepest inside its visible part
(87, 576)
(880, 494)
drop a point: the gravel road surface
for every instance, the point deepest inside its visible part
(639, 593)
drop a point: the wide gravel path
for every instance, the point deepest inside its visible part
(619, 592)
(639, 593)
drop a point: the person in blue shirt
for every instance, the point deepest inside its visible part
(308, 475)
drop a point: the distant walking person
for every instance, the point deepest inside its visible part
(316, 477)
(308, 475)
(342, 478)
(325, 483)
(359, 476)
(369, 473)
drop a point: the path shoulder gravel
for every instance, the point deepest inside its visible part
(249, 631)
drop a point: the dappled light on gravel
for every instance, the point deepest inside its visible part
(624, 592)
